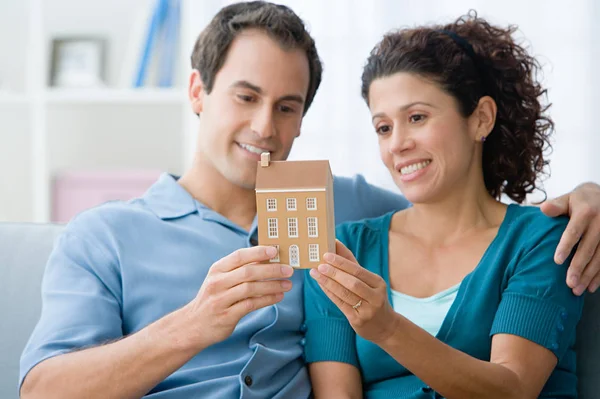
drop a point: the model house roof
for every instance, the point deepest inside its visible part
(293, 175)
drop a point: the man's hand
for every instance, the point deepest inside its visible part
(235, 286)
(583, 207)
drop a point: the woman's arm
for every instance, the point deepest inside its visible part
(330, 344)
(335, 380)
(522, 356)
(518, 368)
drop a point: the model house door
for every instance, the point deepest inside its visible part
(294, 256)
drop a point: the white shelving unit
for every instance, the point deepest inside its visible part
(13, 99)
(45, 130)
(115, 96)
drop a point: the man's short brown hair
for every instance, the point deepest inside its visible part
(277, 21)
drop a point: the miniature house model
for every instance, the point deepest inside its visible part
(294, 202)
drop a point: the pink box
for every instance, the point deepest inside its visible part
(73, 192)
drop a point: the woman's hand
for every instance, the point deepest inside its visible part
(361, 295)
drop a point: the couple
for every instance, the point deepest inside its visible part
(163, 296)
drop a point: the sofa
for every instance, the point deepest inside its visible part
(24, 249)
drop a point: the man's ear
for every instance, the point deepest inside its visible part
(484, 117)
(196, 92)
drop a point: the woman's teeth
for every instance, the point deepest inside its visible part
(414, 167)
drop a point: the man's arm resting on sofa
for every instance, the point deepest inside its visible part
(129, 368)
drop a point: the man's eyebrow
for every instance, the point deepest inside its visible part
(247, 85)
(292, 97)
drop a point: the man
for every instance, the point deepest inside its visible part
(162, 296)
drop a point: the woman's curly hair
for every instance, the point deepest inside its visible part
(469, 59)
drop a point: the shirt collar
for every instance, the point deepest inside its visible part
(168, 200)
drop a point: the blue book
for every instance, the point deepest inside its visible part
(168, 58)
(160, 12)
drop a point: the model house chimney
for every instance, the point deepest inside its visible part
(265, 157)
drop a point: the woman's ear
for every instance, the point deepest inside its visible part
(484, 117)
(196, 92)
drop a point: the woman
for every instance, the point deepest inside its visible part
(458, 296)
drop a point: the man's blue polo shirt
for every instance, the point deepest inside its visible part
(121, 266)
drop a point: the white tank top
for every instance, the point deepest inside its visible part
(428, 313)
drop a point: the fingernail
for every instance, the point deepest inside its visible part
(574, 281)
(271, 252)
(286, 284)
(560, 258)
(287, 270)
(314, 273)
(593, 287)
(328, 257)
(579, 289)
(323, 268)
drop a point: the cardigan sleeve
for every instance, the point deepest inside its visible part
(329, 335)
(536, 303)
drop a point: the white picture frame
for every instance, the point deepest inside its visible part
(78, 62)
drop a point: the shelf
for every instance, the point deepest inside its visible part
(115, 96)
(45, 131)
(9, 98)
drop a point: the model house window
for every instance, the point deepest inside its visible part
(276, 258)
(291, 204)
(313, 230)
(271, 204)
(273, 233)
(311, 204)
(294, 256)
(313, 252)
(292, 227)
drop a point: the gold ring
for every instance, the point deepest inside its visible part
(357, 305)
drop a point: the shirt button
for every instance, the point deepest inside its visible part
(303, 328)
(554, 346)
(561, 327)
(248, 381)
(564, 315)
(303, 341)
